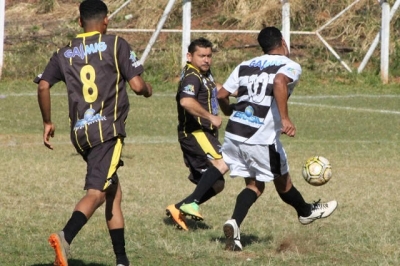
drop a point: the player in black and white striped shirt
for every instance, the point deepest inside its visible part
(252, 148)
(95, 68)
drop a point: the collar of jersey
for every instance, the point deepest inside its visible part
(198, 70)
(87, 34)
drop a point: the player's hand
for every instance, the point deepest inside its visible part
(149, 91)
(48, 131)
(288, 128)
(216, 121)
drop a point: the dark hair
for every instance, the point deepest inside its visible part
(269, 38)
(200, 42)
(92, 10)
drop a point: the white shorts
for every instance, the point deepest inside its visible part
(262, 162)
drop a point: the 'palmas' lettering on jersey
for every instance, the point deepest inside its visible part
(82, 51)
(264, 64)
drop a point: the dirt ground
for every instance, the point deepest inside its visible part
(25, 22)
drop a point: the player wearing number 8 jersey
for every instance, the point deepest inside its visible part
(252, 148)
(95, 68)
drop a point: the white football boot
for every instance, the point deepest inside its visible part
(232, 234)
(319, 210)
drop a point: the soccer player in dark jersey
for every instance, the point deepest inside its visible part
(198, 132)
(252, 146)
(95, 68)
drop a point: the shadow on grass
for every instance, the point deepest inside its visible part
(191, 224)
(72, 262)
(245, 239)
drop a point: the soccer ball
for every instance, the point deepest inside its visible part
(317, 171)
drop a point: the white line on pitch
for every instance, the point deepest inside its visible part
(348, 108)
(12, 143)
(156, 140)
(169, 94)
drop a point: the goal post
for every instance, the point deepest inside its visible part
(2, 16)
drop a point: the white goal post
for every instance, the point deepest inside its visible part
(2, 16)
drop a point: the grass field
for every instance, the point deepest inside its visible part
(355, 126)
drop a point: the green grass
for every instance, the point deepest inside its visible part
(353, 124)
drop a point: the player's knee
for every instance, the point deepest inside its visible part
(221, 166)
(260, 190)
(257, 187)
(219, 186)
(283, 183)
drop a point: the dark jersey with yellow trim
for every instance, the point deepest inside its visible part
(95, 69)
(201, 87)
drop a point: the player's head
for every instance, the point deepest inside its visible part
(200, 42)
(200, 54)
(270, 39)
(93, 12)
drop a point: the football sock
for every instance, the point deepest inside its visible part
(208, 195)
(244, 200)
(207, 180)
(295, 199)
(74, 225)
(118, 242)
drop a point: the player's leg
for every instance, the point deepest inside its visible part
(246, 198)
(238, 165)
(244, 201)
(290, 195)
(307, 213)
(85, 208)
(172, 210)
(113, 196)
(81, 214)
(209, 145)
(217, 188)
(115, 222)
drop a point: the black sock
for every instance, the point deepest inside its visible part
(118, 242)
(208, 195)
(178, 205)
(244, 200)
(74, 225)
(295, 199)
(207, 180)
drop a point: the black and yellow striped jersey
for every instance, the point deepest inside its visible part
(202, 88)
(95, 68)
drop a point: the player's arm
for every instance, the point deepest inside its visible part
(281, 97)
(140, 87)
(192, 106)
(44, 101)
(223, 101)
(229, 88)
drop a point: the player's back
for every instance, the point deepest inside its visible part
(96, 88)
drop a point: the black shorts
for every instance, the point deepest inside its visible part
(103, 161)
(199, 147)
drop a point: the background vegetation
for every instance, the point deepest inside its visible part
(35, 28)
(350, 119)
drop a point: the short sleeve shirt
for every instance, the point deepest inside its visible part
(201, 87)
(256, 119)
(95, 69)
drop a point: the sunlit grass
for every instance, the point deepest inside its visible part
(40, 187)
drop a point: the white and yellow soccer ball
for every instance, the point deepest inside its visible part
(317, 171)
